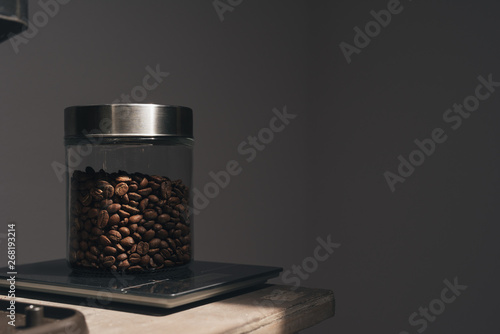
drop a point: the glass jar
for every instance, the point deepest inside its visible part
(128, 186)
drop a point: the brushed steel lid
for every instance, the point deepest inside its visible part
(128, 120)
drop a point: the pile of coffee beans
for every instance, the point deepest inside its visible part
(128, 222)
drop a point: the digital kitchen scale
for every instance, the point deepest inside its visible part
(170, 288)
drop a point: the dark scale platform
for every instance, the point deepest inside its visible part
(174, 287)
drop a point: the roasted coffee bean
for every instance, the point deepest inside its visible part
(88, 226)
(108, 250)
(169, 263)
(108, 261)
(97, 194)
(145, 260)
(137, 237)
(101, 184)
(93, 213)
(174, 201)
(86, 199)
(124, 231)
(91, 257)
(85, 210)
(143, 183)
(154, 243)
(102, 219)
(157, 178)
(170, 225)
(148, 235)
(142, 248)
(122, 257)
(123, 265)
(149, 224)
(114, 236)
(134, 258)
(84, 235)
(105, 203)
(145, 192)
(180, 207)
(133, 187)
(165, 253)
(158, 259)
(153, 251)
(83, 245)
(135, 219)
(164, 187)
(130, 209)
(143, 204)
(132, 227)
(125, 199)
(114, 219)
(113, 208)
(175, 213)
(163, 244)
(121, 189)
(135, 268)
(162, 234)
(120, 248)
(96, 231)
(154, 185)
(127, 242)
(150, 214)
(123, 214)
(153, 199)
(133, 203)
(163, 218)
(171, 243)
(141, 230)
(74, 243)
(104, 240)
(157, 227)
(123, 178)
(134, 196)
(108, 191)
(184, 229)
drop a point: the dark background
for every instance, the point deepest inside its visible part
(323, 175)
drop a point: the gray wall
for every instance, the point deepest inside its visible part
(323, 175)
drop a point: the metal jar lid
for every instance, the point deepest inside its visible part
(128, 120)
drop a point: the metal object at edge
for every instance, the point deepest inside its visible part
(13, 18)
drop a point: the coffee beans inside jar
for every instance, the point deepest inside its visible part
(128, 221)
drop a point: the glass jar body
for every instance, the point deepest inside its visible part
(129, 202)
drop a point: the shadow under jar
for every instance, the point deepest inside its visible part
(128, 187)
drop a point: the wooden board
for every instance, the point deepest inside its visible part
(271, 309)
